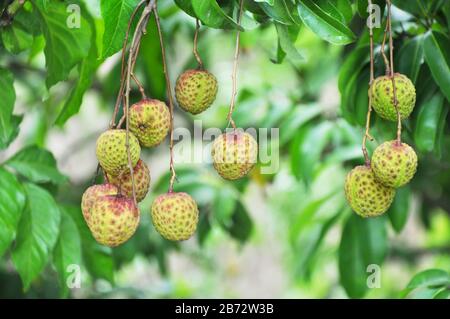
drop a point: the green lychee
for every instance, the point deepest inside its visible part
(112, 151)
(383, 96)
(196, 90)
(90, 196)
(175, 216)
(114, 219)
(234, 154)
(394, 164)
(141, 175)
(150, 121)
(366, 196)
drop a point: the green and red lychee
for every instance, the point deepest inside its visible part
(234, 154)
(113, 219)
(394, 164)
(150, 121)
(141, 176)
(365, 194)
(196, 90)
(175, 216)
(383, 96)
(111, 151)
(92, 194)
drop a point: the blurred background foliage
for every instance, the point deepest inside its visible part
(303, 69)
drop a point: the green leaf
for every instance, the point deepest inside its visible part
(212, 15)
(430, 278)
(16, 39)
(203, 228)
(36, 235)
(86, 72)
(427, 123)
(437, 56)
(363, 242)
(241, 224)
(67, 251)
(443, 294)
(411, 57)
(116, 14)
(97, 258)
(399, 210)
(282, 11)
(297, 118)
(36, 164)
(287, 35)
(345, 8)
(224, 205)
(186, 6)
(12, 202)
(64, 46)
(324, 25)
(8, 123)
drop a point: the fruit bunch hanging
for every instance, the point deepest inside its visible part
(370, 189)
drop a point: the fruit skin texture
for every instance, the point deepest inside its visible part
(234, 154)
(112, 152)
(394, 164)
(196, 90)
(175, 216)
(383, 96)
(114, 219)
(90, 196)
(141, 175)
(149, 121)
(366, 196)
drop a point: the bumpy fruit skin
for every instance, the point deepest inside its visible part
(196, 90)
(112, 152)
(150, 121)
(141, 175)
(234, 154)
(383, 96)
(394, 164)
(175, 216)
(366, 196)
(114, 219)
(90, 196)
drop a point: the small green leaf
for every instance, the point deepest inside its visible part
(431, 278)
(186, 6)
(324, 25)
(64, 46)
(12, 202)
(363, 242)
(287, 35)
(427, 123)
(399, 211)
(297, 118)
(116, 14)
(36, 164)
(241, 224)
(282, 11)
(437, 56)
(8, 124)
(67, 250)
(224, 205)
(36, 235)
(443, 294)
(212, 15)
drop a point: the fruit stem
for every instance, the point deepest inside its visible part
(197, 56)
(235, 65)
(382, 49)
(169, 96)
(369, 111)
(392, 74)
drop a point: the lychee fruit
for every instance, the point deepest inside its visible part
(90, 196)
(141, 178)
(114, 219)
(175, 216)
(150, 121)
(234, 154)
(394, 164)
(196, 90)
(383, 96)
(112, 151)
(366, 196)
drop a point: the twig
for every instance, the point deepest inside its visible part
(197, 56)
(169, 96)
(392, 73)
(134, 48)
(382, 49)
(369, 111)
(235, 65)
